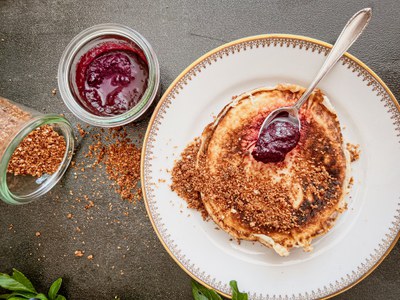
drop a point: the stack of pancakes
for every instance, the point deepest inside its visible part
(281, 205)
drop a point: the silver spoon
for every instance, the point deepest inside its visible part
(354, 27)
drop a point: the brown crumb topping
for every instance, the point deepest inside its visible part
(185, 180)
(265, 207)
(40, 152)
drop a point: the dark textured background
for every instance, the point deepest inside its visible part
(129, 261)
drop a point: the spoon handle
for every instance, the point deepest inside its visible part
(354, 27)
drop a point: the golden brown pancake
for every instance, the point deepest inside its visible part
(281, 205)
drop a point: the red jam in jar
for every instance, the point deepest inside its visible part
(112, 77)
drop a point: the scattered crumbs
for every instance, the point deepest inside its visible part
(69, 216)
(354, 151)
(37, 233)
(351, 182)
(78, 229)
(89, 205)
(90, 257)
(10, 227)
(81, 131)
(79, 253)
(161, 180)
(54, 92)
(121, 158)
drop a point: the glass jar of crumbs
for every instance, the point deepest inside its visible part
(35, 151)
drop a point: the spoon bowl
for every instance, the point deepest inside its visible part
(284, 114)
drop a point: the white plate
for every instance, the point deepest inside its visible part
(369, 115)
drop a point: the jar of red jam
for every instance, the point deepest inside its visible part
(109, 75)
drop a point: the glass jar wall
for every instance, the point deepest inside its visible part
(35, 151)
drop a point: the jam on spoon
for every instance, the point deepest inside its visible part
(276, 140)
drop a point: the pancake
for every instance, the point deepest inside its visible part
(281, 205)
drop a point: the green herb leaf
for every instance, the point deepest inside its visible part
(9, 283)
(5, 296)
(202, 293)
(54, 289)
(236, 295)
(61, 297)
(21, 278)
(26, 295)
(40, 296)
(16, 298)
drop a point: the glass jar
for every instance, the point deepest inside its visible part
(17, 122)
(84, 42)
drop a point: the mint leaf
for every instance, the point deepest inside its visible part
(61, 297)
(54, 289)
(21, 278)
(40, 296)
(236, 295)
(202, 293)
(9, 283)
(25, 295)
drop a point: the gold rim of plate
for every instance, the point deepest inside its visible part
(190, 67)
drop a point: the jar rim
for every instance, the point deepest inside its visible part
(5, 194)
(66, 62)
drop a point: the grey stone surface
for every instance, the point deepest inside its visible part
(129, 261)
